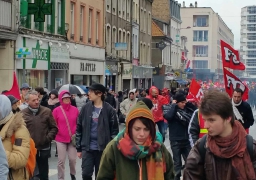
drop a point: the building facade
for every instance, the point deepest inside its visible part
(85, 19)
(142, 71)
(118, 35)
(8, 36)
(167, 45)
(42, 55)
(248, 41)
(203, 41)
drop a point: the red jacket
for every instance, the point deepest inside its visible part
(158, 103)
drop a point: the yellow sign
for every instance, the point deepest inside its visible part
(177, 73)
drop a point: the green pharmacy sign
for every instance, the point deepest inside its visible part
(39, 9)
(39, 54)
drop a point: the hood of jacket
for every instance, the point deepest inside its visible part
(131, 91)
(150, 91)
(65, 106)
(5, 106)
(15, 122)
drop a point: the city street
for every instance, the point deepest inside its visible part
(53, 161)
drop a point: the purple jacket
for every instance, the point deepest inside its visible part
(72, 115)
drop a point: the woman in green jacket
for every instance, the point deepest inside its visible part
(138, 152)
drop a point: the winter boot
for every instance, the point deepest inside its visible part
(73, 177)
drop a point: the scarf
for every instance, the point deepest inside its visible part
(34, 111)
(236, 112)
(234, 147)
(53, 101)
(155, 163)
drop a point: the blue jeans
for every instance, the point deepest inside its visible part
(161, 128)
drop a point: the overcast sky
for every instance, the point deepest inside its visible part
(229, 10)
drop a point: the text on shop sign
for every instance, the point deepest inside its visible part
(91, 67)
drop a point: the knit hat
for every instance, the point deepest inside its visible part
(98, 87)
(139, 110)
(12, 99)
(179, 97)
(5, 109)
(147, 101)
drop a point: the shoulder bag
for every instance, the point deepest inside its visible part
(73, 137)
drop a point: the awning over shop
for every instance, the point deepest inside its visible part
(181, 81)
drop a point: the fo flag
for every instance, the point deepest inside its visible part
(15, 88)
(195, 90)
(232, 82)
(230, 57)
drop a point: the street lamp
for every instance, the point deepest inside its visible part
(185, 28)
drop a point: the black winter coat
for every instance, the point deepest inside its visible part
(177, 131)
(107, 126)
(110, 99)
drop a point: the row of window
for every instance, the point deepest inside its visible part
(200, 51)
(89, 26)
(251, 10)
(200, 64)
(124, 8)
(145, 21)
(200, 36)
(117, 37)
(201, 21)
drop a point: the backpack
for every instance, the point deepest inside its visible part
(202, 149)
(31, 164)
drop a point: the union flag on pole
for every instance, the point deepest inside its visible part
(230, 57)
(15, 91)
(232, 82)
(195, 90)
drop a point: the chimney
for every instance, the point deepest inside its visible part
(196, 4)
(184, 5)
(191, 5)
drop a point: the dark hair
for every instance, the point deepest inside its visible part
(147, 101)
(40, 90)
(96, 92)
(238, 90)
(147, 91)
(147, 122)
(216, 102)
(79, 95)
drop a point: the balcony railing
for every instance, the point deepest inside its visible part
(6, 14)
(200, 39)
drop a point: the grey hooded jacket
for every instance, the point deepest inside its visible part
(5, 109)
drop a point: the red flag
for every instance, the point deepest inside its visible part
(232, 82)
(196, 90)
(230, 57)
(15, 90)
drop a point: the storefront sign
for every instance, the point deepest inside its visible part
(39, 54)
(33, 56)
(111, 69)
(59, 54)
(86, 67)
(91, 67)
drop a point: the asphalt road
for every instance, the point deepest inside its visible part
(53, 161)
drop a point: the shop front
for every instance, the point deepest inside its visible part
(111, 72)
(86, 64)
(32, 62)
(58, 73)
(126, 77)
(142, 77)
(85, 72)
